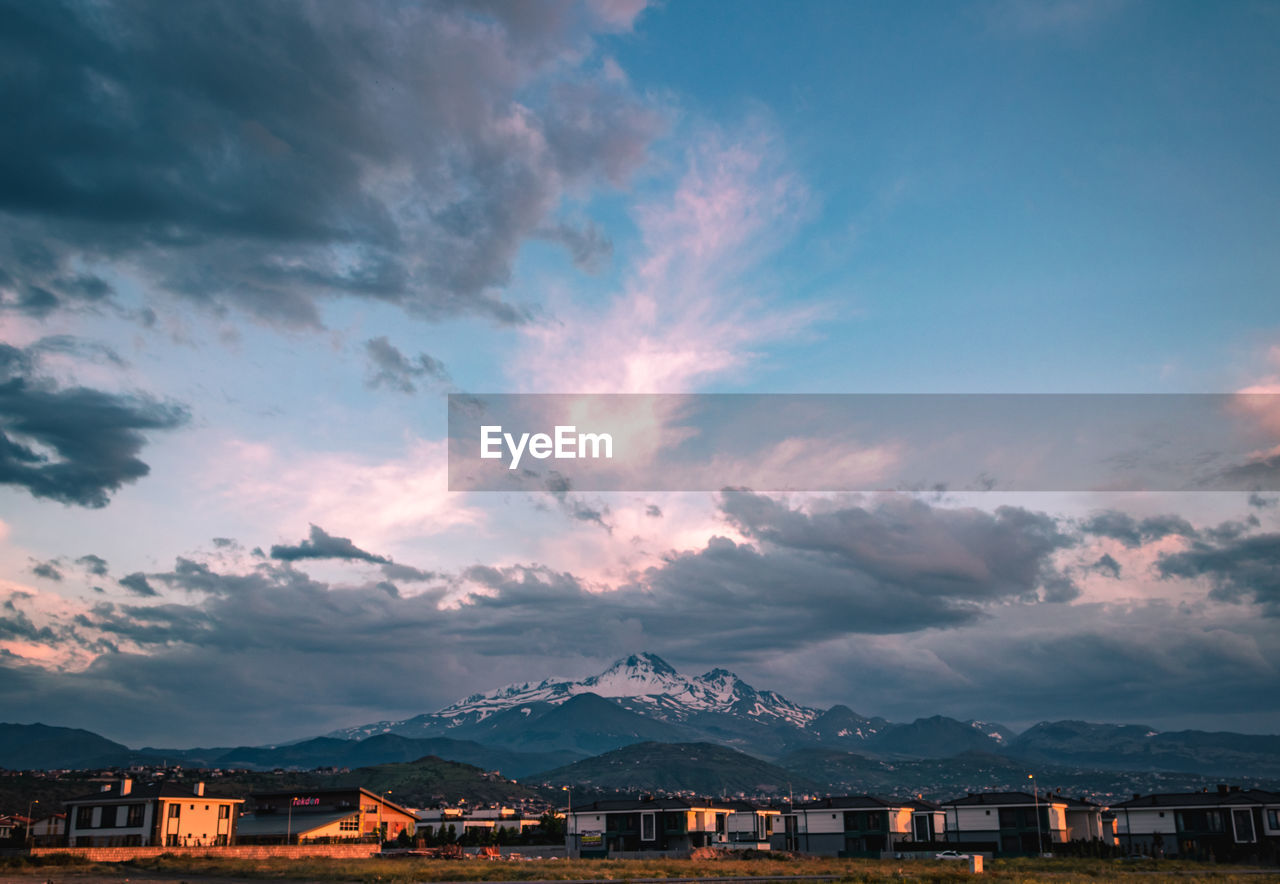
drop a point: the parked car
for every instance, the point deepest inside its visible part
(950, 854)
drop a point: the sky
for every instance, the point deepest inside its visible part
(247, 251)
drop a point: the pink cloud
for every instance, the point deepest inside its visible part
(691, 310)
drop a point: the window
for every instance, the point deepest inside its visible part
(224, 811)
(84, 817)
(175, 811)
(647, 827)
(134, 818)
(720, 824)
(1242, 822)
(1273, 819)
(350, 824)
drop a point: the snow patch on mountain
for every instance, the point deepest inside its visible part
(643, 683)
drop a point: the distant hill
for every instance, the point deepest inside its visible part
(387, 748)
(1136, 747)
(431, 780)
(40, 746)
(704, 768)
(937, 737)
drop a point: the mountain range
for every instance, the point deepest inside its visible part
(549, 730)
(643, 698)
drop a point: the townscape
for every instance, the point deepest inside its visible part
(127, 817)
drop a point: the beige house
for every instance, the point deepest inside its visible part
(126, 814)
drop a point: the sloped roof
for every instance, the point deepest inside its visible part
(147, 792)
(624, 805)
(283, 824)
(1201, 799)
(1003, 799)
(854, 802)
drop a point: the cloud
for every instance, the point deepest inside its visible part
(406, 573)
(137, 584)
(895, 604)
(94, 565)
(1239, 569)
(322, 545)
(1107, 565)
(589, 247)
(1257, 501)
(47, 570)
(382, 151)
(1029, 18)
(573, 505)
(695, 306)
(1132, 532)
(390, 368)
(75, 445)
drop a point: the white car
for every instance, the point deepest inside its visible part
(950, 854)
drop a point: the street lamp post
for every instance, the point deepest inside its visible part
(382, 834)
(1036, 794)
(288, 830)
(568, 815)
(30, 806)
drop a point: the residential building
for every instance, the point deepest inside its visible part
(1224, 823)
(13, 827)
(1087, 821)
(1010, 822)
(859, 825)
(751, 826)
(475, 821)
(319, 815)
(605, 828)
(129, 814)
(49, 830)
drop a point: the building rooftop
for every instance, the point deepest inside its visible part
(114, 792)
(1004, 799)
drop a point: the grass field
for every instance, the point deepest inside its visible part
(191, 870)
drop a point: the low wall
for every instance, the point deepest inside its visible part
(236, 851)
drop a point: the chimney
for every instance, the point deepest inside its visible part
(199, 790)
(126, 786)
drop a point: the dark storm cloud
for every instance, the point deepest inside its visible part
(272, 156)
(1133, 533)
(838, 602)
(75, 445)
(1150, 663)
(1257, 501)
(322, 545)
(1238, 569)
(137, 584)
(905, 545)
(47, 570)
(391, 369)
(95, 565)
